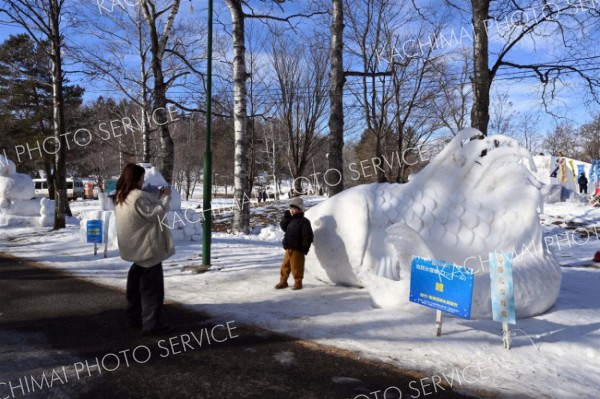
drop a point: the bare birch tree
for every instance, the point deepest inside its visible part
(241, 212)
(302, 76)
(453, 103)
(158, 46)
(46, 20)
(123, 34)
(397, 86)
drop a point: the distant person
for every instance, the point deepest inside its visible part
(145, 242)
(296, 242)
(259, 196)
(583, 183)
(265, 196)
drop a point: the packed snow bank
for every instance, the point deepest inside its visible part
(458, 209)
(553, 193)
(239, 287)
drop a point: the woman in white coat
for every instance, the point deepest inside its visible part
(144, 241)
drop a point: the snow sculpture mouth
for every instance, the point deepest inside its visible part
(475, 197)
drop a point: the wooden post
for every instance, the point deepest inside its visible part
(506, 335)
(105, 232)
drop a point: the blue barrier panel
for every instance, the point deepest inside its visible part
(442, 285)
(94, 231)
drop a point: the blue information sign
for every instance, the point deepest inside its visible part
(503, 297)
(442, 285)
(94, 231)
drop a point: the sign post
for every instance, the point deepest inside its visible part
(94, 233)
(442, 286)
(503, 298)
(105, 235)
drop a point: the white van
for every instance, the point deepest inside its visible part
(74, 188)
(41, 187)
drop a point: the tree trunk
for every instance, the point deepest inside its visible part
(167, 148)
(480, 115)
(158, 45)
(145, 130)
(335, 158)
(144, 94)
(58, 117)
(252, 149)
(241, 209)
(381, 178)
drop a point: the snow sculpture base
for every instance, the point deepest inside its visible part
(458, 209)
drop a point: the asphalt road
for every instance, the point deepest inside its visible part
(63, 337)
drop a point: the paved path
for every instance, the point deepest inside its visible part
(72, 332)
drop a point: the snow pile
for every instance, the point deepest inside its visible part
(185, 225)
(271, 233)
(553, 193)
(458, 209)
(16, 204)
(47, 210)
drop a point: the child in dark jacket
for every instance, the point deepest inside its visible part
(296, 242)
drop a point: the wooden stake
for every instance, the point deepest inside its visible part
(506, 335)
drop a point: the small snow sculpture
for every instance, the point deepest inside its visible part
(17, 205)
(185, 224)
(477, 196)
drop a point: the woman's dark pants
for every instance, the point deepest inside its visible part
(145, 295)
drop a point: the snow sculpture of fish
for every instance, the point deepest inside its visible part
(477, 196)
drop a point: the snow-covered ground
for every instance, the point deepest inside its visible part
(556, 355)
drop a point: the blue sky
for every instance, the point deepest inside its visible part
(523, 94)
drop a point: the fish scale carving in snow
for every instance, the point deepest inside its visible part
(458, 208)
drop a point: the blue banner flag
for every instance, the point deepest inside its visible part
(503, 297)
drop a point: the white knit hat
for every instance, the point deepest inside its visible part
(298, 203)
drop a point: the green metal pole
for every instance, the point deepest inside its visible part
(206, 207)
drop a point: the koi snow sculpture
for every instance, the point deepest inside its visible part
(477, 196)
